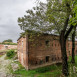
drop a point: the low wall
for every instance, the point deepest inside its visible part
(5, 47)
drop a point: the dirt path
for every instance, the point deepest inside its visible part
(4, 71)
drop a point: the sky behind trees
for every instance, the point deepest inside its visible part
(10, 10)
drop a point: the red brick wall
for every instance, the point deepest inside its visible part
(38, 51)
(23, 51)
(5, 47)
(1, 47)
(70, 48)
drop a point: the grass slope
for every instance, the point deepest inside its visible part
(49, 71)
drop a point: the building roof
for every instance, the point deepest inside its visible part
(35, 32)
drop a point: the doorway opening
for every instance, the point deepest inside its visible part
(47, 58)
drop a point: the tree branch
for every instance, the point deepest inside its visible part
(68, 32)
(66, 24)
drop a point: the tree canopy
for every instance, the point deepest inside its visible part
(9, 40)
(59, 16)
(48, 17)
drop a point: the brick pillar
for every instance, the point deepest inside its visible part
(27, 52)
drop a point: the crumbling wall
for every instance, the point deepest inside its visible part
(22, 51)
(5, 47)
(44, 49)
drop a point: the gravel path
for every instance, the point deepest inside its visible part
(4, 71)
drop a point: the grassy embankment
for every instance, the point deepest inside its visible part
(49, 71)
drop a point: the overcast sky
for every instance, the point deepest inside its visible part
(10, 10)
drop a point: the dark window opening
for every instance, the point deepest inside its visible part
(58, 58)
(55, 45)
(36, 62)
(41, 61)
(6, 47)
(54, 57)
(52, 44)
(47, 58)
(47, 43)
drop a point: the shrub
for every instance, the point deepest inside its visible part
(10, 53)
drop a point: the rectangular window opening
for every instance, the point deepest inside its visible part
(47, 43)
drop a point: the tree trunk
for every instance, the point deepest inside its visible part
(73, 46)
(64, 54)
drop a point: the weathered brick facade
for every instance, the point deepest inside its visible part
(23, 51)
(5, 47)
(39, 51)
(70, 47)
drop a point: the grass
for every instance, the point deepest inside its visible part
(49, 71)
(2, 50)
(1, 55)
(9, 43)
(53, 70)
(10, 68)
(71, 70)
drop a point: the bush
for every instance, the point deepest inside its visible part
(10, 53)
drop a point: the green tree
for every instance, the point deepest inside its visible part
(55, 15)
(73, 45)
(9, 40)
(63, 7)
(72, 37)
(73, 21)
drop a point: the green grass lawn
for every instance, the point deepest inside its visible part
(49, 71)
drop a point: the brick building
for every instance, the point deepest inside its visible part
(38, 51)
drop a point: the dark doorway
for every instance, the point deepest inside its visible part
(47, 58)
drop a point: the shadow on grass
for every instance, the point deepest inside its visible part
(48, 71)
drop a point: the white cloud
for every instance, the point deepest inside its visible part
(10, 10)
